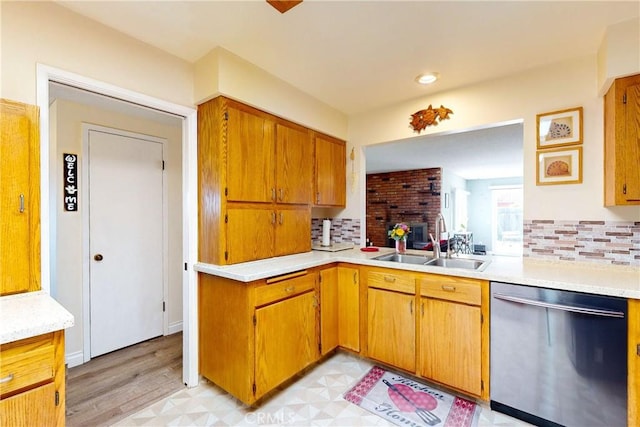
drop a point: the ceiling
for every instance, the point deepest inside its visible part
(494, 152)
(360, 55)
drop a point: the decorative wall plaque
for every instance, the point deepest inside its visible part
(429, 117)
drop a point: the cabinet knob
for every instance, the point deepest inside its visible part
(98, 257)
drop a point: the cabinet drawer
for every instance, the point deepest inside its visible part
(26, 362)
(282, 287)
(392, 281)
(450, 288)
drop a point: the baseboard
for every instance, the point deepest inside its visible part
(74, 359)
(174, 328)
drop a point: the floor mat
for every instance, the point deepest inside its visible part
(406, 402)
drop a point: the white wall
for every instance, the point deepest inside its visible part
(558, 86)
(66, 137)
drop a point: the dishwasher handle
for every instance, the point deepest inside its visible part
(563, 307)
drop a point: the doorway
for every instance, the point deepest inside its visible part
(125, 205)
(185, 194)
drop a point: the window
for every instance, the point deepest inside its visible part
(506, 220)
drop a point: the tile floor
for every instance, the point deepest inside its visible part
(314, 399)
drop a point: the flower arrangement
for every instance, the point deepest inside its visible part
(400, 231)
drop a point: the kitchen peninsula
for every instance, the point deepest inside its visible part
(240, 304)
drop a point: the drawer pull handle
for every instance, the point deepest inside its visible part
(6, 379)
(389, 279)
(448, 288)
(22, 203)
(290, 289)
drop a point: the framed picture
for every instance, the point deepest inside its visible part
(559, 128)
(559, 166)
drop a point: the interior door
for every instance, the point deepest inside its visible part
(125, 240)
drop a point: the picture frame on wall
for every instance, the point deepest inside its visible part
(559, 166)
(559, 128)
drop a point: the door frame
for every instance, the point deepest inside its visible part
(86, 254)
(45, 74)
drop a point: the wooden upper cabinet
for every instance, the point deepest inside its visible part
(293, 231)
(330, 168)
(622, 142)
(250, 161)
(294, 165)
(250, 232)
(255, 184)
(19, 198)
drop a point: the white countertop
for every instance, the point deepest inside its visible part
(30, 314)
(599, 279)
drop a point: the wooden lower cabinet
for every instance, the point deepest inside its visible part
(286, 340)
(254, 336)
(32, 390)
(454, 338)
(329, 327)
(391, 328)
(349, 308)
(633, 362)
(450, 344)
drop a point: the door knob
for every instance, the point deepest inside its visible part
(98, 257)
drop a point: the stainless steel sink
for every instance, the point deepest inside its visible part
(403, 258)
(467, 263)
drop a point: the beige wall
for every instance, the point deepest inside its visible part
(43, 32)
(66, 137)
(555, 87)
(222, 72)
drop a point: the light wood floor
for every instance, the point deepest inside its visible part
(115, 385)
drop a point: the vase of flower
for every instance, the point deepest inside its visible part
(399, 233)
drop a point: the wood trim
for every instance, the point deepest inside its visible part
(633, 363)
(485, 355)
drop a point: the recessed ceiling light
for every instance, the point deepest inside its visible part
(427, 78)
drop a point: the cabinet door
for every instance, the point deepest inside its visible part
(328, 309)
(450, 344)
(286, 340)
(331, 179)
(19, 198)
(631, 145)
(633, 362)
(250, 234)
(622, 142)
(35, 407)
(391, 328)
(349, 308)
(250, 157)
(293, 231)
(294, 165)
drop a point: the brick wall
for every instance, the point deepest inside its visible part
(405, 196)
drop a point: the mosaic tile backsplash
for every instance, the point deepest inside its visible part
(343, 230)
(605, 242)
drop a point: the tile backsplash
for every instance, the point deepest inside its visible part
(605, 242)
(343, 230)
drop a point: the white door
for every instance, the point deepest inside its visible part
(125, 240)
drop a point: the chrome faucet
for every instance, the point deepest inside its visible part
(440, 227)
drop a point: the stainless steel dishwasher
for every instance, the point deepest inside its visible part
(558, 357)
